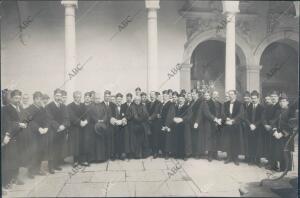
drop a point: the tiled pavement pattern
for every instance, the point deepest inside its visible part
(145, 177)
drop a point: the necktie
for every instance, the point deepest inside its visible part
(253, 112)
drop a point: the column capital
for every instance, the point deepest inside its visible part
(186, 66)
(253, 67)
(152, 4)
(68, 3)
(231, 7)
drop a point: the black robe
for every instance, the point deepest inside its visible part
(167, 115)
(119, 132)
(39, 143)
(76, 113)
(254, 138)
(180, 141)
(154, 109)
(195, 118)
(209, 129)
(232, 137)
(245, 127)
(127, 129)
(57, 142)
(138, 116)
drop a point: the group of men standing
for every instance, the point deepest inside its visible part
(171, 124)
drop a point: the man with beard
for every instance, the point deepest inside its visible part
(233, 112)
(181, 128)
(118, 124)
(253, 120)
(269, 120)
(75, 110)
(211, 121)
(128, 126)
(13, 146)
(195, 124)
(282, 130)
(59, 121)
(138, 115)
(87, 133)
(154, 109)
(167, 114)
(38, 126)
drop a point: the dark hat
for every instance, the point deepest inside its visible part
(92, 92)
(100, 128)
(143, 94)
(56, 91)
(157, 93)
(247, 94)
(37, 94)
(183, 91)
(283, 96)
(45, 96)
(274, 93)
(119, 95)
(255, 93)
(15, 92)
(107, 92)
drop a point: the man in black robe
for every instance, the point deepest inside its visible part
(268, 121)
(147, 149)
(154, 108)
(282, 130)
(138, 115)
(14, 125)
(211, 119)
(167, 114)
(181, 127)
(118, 124)
(59, 121)
(128, 126)
(244, 125)
(233, 112)
(75, 110)
(253, 119)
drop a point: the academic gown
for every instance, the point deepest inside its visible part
(232, 134)
(167, 115)
(119, 139)
(127, 129)
(281, 123)
(38, 150)
(209, 129)
(138, 116)
(154, 109)
(76, 113)
(254, 138)
(245, 130)
(57, 143)
(195, 118)
(180, 141)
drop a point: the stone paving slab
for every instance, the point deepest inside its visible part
(108, 176)
(84, 190)
(149, 189)
(120, 189)
(149, 175)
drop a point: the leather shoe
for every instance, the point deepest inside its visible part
(58, 168)
(227, 161)
(51, 171)
(236, 162)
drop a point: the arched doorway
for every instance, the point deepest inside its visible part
(279, 71)
(208, 66)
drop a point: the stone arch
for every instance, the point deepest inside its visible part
(243, 49)
(282, 35)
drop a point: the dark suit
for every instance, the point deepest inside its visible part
(127, 129)
(119, 132)
(195, 118)
(57, 116)
(233, 134)
(255, 139)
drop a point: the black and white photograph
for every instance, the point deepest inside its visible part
(149, 98)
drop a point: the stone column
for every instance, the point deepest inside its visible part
(152, 66)
(70, 44)
(230, 8)
(253, 77)
(185, 77)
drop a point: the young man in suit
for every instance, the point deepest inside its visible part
(232, 115)
(127, 126)
(253, 119)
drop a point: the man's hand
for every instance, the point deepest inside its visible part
(6, 139)
(41, 130)
(267, 127)
(22, 125)
(45, 130)
(228, 122)
(195, 125)
(61, 128)
(252, 127)
(158, 116)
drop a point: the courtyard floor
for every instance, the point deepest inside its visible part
(145, 177)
